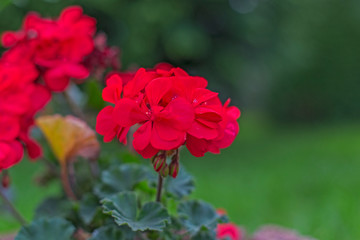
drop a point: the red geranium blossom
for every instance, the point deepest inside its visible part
(228, 231)
(170, 109)
(57, 47)
(51, 51)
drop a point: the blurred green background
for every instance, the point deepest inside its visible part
(293, 68)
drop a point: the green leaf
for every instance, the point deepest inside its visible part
(198, 216)
(182, 185)
(108, 233)
(54, 207)
(204, 234)
(93, 90)
(120, 178)
(45, 229)
(123, 208)
(89, 206)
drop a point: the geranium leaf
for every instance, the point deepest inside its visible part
(120, 178)
(54, 207)
(198, 217)
(89, 206)
(123, 208)
(107, 233)
(180, 186)
(69, 137)
(45, 229)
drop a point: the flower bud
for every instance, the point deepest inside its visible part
(165, 171)
(153, 159)
(174, 168)
(159, 162)
(5, 181)
(170, 153)
(175, 158)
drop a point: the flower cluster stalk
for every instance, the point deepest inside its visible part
(159, 188)
(15, 213)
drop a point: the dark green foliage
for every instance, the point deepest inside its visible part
(89, 207)
(121, 178)
(45, 229)
(113, 232)
(182, 185)
(199, 218)
(123, 208)
(128, 209)
(54, 207)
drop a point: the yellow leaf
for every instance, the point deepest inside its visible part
(69, 137)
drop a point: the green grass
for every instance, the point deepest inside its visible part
(302, 178)
(25, 194)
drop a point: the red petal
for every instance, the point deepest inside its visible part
(201, 131)
(167, 131)
(138, 83)
(71, 14)
(201, 95)
(8, 39)
(162, 144)
(105, 124)
(40, 96)
(179, 113)
(142, 136)
(148, 152)
(127, 113)
(10, 154)
(197, 147)
(56, 80)
(156, 89)
(112, 92)
(9, 128)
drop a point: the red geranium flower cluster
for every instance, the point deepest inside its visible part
(228, 230)
(42, 57)
(20, 98)
(60, 48)
(171, 109)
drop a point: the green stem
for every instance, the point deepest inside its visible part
(15, 213)
(159, 188)
(66, 183)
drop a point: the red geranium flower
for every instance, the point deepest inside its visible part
(170, 109)
(57, 47)
(228, 231)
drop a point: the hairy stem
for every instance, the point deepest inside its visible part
(66, 183)
(159, 188)
(15, 213)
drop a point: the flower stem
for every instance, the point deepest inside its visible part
(159, 188)
(15, 213)
(66, 183)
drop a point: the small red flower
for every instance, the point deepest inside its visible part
(228, 230)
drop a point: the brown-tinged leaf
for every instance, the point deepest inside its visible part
(69, 137)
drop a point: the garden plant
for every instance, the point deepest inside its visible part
(109, 192)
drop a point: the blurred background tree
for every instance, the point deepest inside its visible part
(297, 61)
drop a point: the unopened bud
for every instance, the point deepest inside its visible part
(5, 181)
(170, 153)
(174, 168)
(153, 159)
(159, 162)
(165, 171)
